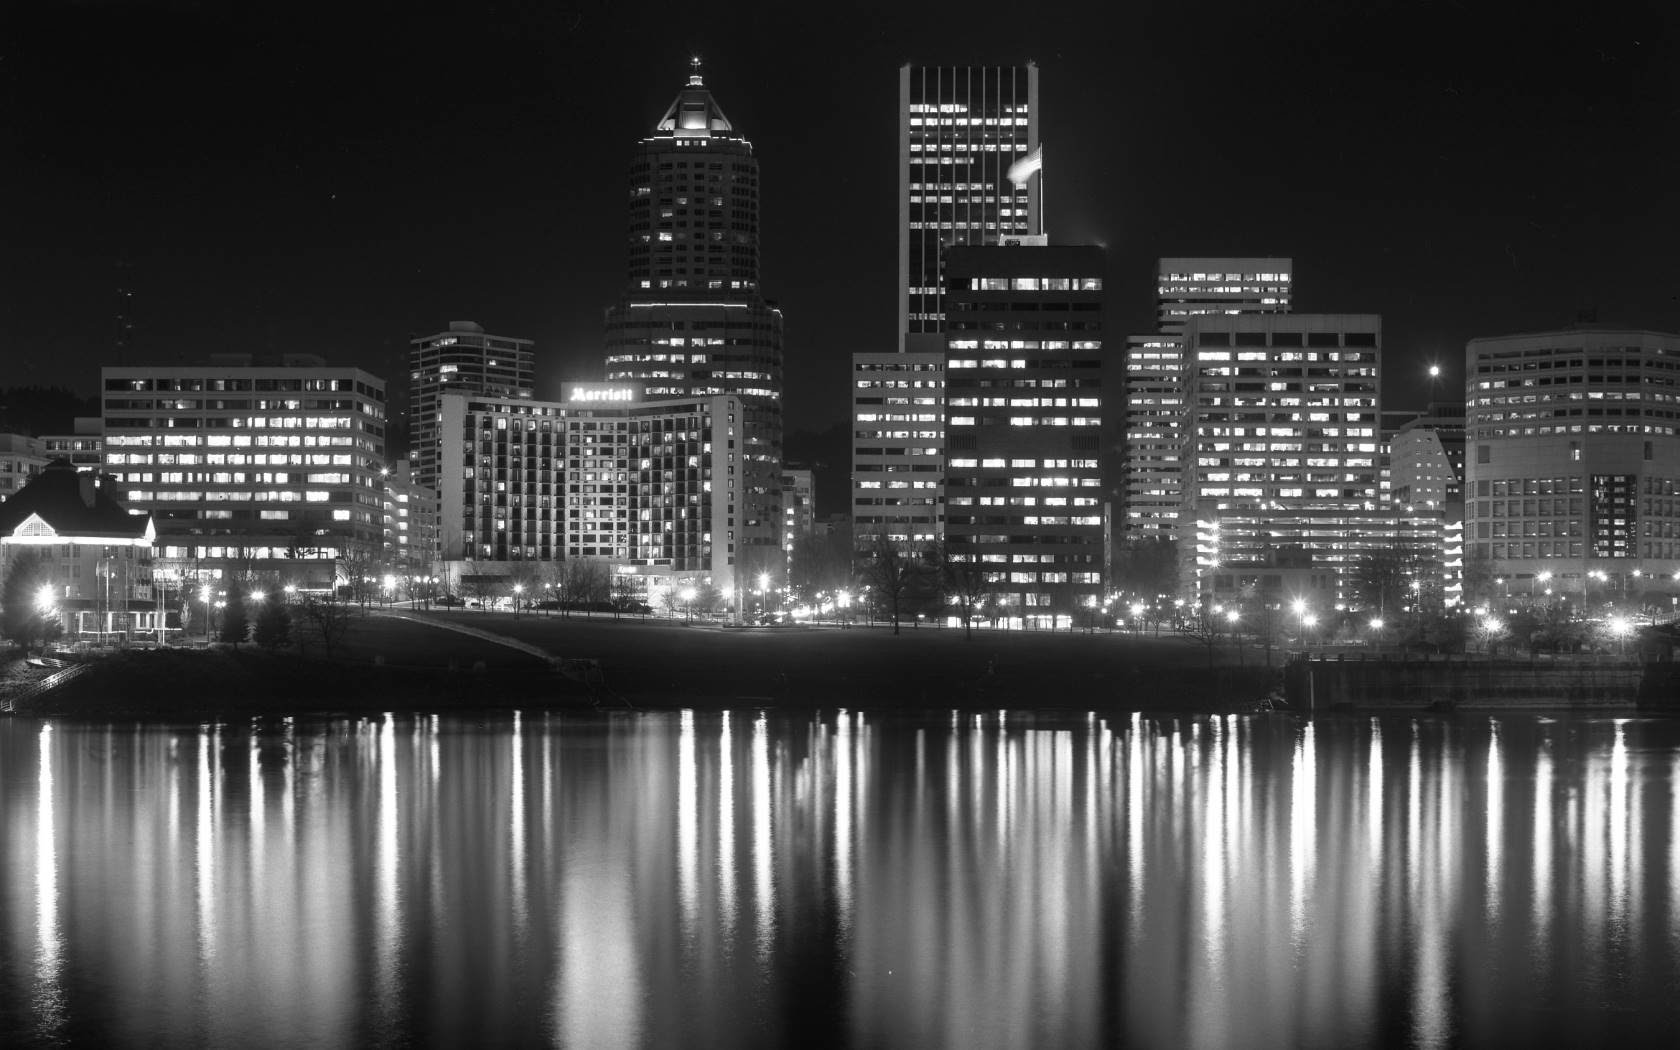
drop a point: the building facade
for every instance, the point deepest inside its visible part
(96, 555)
(461, 359)
(1281, 446)
(84, 448)
(409, 533)
(251, 465)
(21, 458)
(1573, 476)
(1426, 493)
(961, 130)
(1024, 399)
(693, 322)
(898, 447)
(1157, 374)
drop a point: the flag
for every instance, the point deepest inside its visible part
(1022, 170)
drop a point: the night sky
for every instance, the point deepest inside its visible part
(291, 177)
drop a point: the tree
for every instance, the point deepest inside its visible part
(236, 623)
(966, 580)
(273, 627)
(891, 573)
(479, 584)
(624, 593)
(328, 619)
(584, 582)
(1381, 580)
(1148, 566)
(22, 617)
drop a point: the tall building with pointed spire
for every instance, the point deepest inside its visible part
(692, 321)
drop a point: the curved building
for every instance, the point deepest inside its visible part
(1573, 472)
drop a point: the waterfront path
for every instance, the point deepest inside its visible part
(461, 628)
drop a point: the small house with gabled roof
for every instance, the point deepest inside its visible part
(97, 553)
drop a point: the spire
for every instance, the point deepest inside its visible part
(695, 113)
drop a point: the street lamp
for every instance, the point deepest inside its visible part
(1620, 628)
(688, 604)
(518, 596)
(204, 595)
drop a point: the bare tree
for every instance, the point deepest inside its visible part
(966, 580)
(624, 593)
(327, 620)
(891, 571)
(479, 584)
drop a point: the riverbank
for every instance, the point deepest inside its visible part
(429, 662)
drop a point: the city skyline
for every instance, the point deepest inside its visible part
(263, 183)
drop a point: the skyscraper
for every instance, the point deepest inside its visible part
(1280, 453)
(961, 129)
(692, 321)
(1023, 386)
(1157, 373)
(462, 360)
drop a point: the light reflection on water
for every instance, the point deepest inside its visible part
(738, 879)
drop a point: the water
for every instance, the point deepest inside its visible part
(730, 880)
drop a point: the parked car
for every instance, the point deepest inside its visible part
(450, 599)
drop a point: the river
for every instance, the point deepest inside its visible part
(841, 879)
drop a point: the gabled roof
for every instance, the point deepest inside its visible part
(70, 504)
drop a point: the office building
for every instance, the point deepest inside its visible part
(1157, 376)
(251, 465)
(462, 359)
(83, 448)
(1573, 476)
(961, 131)
(1024, 400)
(1426, 495)
(799, 505)
(409, 526)
(21, 458)
(693, 323)
(499, 479)
(898, 448)
(1281, 447)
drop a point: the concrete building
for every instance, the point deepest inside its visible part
(21, 458)
(1426, 494)
(499, 479)
(462, 359)
(409, 533)
(1024, 399)
(693, 322)
(1281, 446)
(961, 131)
(799, 505)
(251, 465)
(96, 554)
(898, 447)
(1157, 374)
(1573, 477)
(83, 448)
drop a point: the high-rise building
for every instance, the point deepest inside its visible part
(1573, 474)
(1426, 494)
(898, 447)
(601, 474)
(463, 359)
(799, 510)
(410, 526)
(961, 130)
(1280, 453)
(249, 464)
(1186, 288)
(692, 322)
(1024, 395)
(1157, 373)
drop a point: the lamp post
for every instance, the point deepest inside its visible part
(1231, 617)
(688, 604)
(205, 596)
(518, 597)
(845, 605)
(1299, 607)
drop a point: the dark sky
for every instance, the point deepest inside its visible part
(335, 178)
